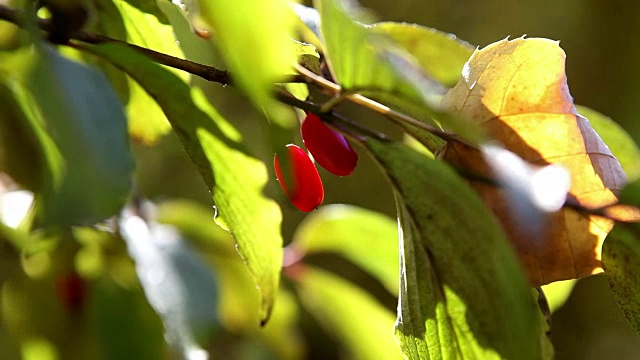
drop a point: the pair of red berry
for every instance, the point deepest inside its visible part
(329, 148)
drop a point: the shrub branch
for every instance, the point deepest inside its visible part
(224, 77)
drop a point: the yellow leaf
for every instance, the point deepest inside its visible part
(517, 90)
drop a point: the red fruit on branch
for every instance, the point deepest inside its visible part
(329, 148)
(305, 191)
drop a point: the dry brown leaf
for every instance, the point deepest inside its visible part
(517, 90)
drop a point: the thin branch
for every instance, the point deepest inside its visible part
(618, 212)
(615, 212)
(382, 109)
(213, 74)
(206, 72)
(333, 118)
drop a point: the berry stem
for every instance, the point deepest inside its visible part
(395, 116)
(339, 122)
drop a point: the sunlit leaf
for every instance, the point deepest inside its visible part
(111, 24)
(198, 224)
(517, 90)
(354, 317)
(253, 37)
(147, 27)
(177, 283)
(89, 164)
(355, 51)
(236, 178)
(558, 293)
(462, 292)
(366, 238)
(439, 54)
(619, 141)
(621, 260)
(140, 23)
(308, 58)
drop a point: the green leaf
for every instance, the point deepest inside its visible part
(557, 293)
(142, 23)
(617, 139)
(177, 283)
(236, 179)
(197, 223)
(21, 151)
(364, 237)
(89, 164)
(253, 37)
(127, 326)
(462, 291)
(282, 333)
(353, 316)
(546, 346)
(439, 54)
(70, 130)
(621, 260)
(147, 26)
(109, 23)
(237, 289)
(308, 58)
(355, 51)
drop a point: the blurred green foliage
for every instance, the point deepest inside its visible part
(73, 292)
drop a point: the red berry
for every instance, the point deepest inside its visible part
(329, 148)
(71, 290)
(306, 192)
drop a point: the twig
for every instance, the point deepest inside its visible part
(619, 212)
(382, 109)
(222, 76)
(333, 118)
(206, 72)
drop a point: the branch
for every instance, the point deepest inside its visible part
(206, 72)
(617, 212)
(223, 77)
(341, 122)
(213, 74)
(382, 109)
